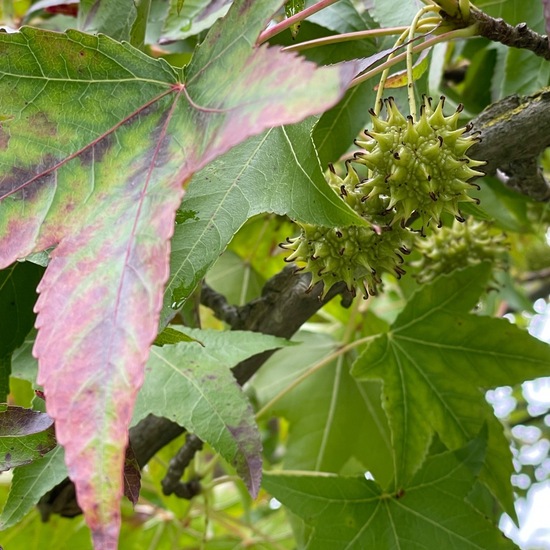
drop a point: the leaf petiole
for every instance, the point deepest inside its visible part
(466, 32)
(288, 22)
(410, 78)
(344, 37)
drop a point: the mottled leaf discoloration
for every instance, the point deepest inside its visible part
(102, 141)
(216, 409)
(25, 436)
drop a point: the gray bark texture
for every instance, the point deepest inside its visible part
(514, 132)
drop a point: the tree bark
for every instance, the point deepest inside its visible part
(514, 132)
(281, 310)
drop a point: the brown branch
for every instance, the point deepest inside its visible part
(519, 36)
(514, 132)
(284, 306)
(281, 310)
(171, 483)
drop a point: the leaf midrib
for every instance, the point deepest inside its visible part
(89, 145)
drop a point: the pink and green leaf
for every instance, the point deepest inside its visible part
(97, 142)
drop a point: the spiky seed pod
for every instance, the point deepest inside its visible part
(374, 208)
(420, 165)
(355, 255)
(461, 245)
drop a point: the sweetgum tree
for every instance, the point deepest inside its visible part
(159, 163)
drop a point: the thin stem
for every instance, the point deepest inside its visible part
(158, 534)
(410, 78)
(344, 37)
(398, 43)
(239, 527)
(457, 33)
(246, 282)
(386, 72)
(208, 510)
(286, 23)
(430, 22)
(220, 481)
(426, 25)
(312, 370)
(205, 471)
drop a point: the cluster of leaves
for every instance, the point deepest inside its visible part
(123, 177)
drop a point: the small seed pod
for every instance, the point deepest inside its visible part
(356, 255)
(374, 208)
(458, 246)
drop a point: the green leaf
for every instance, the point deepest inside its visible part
(507, 207)
(341, 17)
(235, 278)
(275, 172)
(139, 28)
(17, 297)
(389, 15)
(525, 72)
(333, 419)
(194, 386)
(339, 126)
(172, 336)
(400, 78)
(24, 364)
(435, 362)
(29, 483)
(191, 17)
(6, 13)
(430, 512)
(114, 19)
(515, 11)
(158, 12)
(25, 436)
(477, 85)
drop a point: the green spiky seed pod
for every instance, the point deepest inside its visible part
(461, 245)
(374, 208)
(421, 166)
(355, 255)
